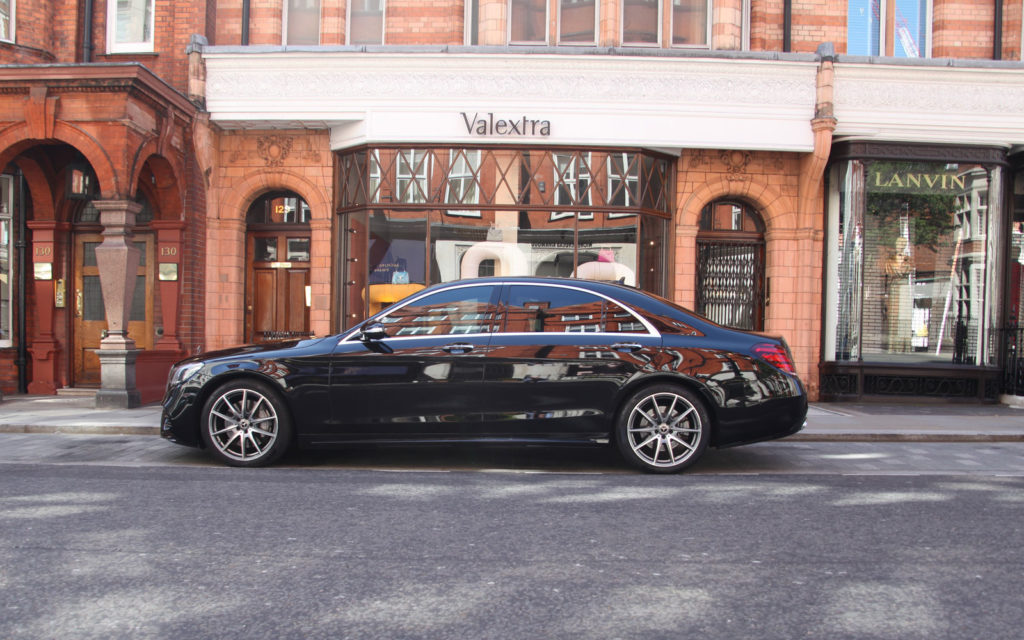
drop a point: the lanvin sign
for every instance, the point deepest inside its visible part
(487, 125)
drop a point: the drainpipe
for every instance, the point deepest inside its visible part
(245, 22)
(21, 359)
(787, 26)
(997, 40)
(87, 32)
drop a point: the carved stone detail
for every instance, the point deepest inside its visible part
(274, 149)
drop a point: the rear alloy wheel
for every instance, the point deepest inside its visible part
(245, 424)
(662, 428)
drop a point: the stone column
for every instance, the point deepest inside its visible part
(118, 262)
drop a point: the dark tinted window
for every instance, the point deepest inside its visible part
(539, 308)
(452, 311)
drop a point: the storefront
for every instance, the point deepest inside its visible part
(415, 216)
(916, 263)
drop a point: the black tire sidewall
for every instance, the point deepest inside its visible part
(284, 423)
(622, 422)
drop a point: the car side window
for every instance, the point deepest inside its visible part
(549, 309)
(460, 310)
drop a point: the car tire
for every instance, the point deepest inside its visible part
(662, 428)
(245, 424)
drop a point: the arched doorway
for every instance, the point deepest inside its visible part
(731, 285)
(277, 267)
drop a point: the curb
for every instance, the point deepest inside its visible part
(81, 429)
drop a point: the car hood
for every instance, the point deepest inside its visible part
(253, 350)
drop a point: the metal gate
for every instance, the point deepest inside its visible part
(731, 283)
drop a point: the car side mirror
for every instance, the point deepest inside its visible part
(373, 332)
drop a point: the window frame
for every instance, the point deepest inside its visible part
(657, 30)
(7, 215)
(12, 19)
(709, 13)
(883, 33)
(508, 26)
(597, 25)
(113, 46)
(348, 22)
(284, 25)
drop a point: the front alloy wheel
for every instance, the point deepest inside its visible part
(663, 429)
(245, 425)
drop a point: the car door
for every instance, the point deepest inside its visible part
(560, 356)
(422, 378)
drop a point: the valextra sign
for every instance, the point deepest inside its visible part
(487, 125)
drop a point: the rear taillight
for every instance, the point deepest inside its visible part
(775, 355)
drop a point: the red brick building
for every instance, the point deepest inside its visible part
(193, 175)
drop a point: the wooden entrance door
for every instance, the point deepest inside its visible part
(277, 291)
(90, 318)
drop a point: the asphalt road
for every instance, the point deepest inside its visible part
(319, 549)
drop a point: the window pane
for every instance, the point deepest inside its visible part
(527, 21)
(578, 20)
(303, 22)
(7, 274)
(640, 23)
(911, 23)
(553, 310)
(914, 251)
(134, 21)
(455, 311)
(366, 22)
(690, 22)
(298, 249)
(265, 250)
(862, 28)
(6, 32)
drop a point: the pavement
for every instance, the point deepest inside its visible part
(826, 421)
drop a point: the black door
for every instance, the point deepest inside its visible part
(423, 380)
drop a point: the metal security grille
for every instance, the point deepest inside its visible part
(730, 283)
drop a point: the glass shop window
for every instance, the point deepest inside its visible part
(914, 247)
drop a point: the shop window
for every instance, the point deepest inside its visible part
(870, 33)
(595, 214)
(130, 26)
(8, 10)
(301, 22)
(691, 23)
(641, 22)
(912, 247)
(366, 22)
(577, 21)
(528, 21)
(7, 274)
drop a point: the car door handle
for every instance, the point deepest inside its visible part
(630, 347)
(457, 348)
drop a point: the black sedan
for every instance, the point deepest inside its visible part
(497, 360)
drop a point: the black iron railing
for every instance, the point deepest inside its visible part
(1012, 342)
